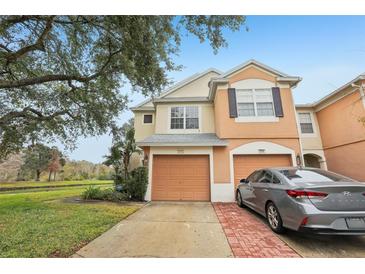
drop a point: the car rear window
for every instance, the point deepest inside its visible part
(305, 175)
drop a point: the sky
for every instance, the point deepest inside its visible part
(326, 51)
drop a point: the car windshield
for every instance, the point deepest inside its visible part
(307, 175)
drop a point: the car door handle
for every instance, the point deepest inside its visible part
(265, 189)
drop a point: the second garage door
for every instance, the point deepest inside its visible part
(180, 177)
(244, 165)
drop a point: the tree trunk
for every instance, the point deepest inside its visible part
(38, 175)
(54, 176)
(49, 176)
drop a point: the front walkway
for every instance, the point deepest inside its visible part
(248, 236)
(163, 229)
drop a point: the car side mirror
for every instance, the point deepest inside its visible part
(243, 181)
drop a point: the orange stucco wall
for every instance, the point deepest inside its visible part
(251, 73)
(348, 160)
(343, 136)
(339, 122)
(222, 160)
(284, 132)
(227, 127)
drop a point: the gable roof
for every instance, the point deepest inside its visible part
(256, 63)
(220, 78)
(175, 87)
(334, 93)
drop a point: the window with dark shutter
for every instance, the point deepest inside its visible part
(147, 119)
(277, 102)
(232, 103)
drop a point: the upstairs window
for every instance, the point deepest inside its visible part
(184, 117)
(255, 102)
(147, 119)
(305, 121)
(177, 117)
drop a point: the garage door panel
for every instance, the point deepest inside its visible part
(181, 177)
(244, 165)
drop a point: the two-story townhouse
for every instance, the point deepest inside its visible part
(207, 132)
(332, 131)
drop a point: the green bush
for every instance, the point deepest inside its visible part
(92, 193)
(96, 193)
(136, 185)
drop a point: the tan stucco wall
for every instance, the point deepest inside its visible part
(136, 160)
(206, 118)
(221, 155)
(227, 127)
(197, 88)
(310, 141)
(143, 130)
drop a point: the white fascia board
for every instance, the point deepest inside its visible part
(360, 77)
(150, 109)
(213, 86)
(179, 144)
(310, 105)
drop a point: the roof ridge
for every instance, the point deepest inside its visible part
(254, 61)
(179, 84)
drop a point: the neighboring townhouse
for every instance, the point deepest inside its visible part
(334, 123)
(207, 132)
(204, 134)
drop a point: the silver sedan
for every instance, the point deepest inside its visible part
(305, 199)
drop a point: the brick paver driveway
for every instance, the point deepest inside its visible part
(248, 236)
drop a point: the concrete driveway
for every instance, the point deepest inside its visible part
(163, 229)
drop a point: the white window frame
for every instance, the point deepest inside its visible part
(153, 119)
(255, 118)
(314, 134)
(184, 130)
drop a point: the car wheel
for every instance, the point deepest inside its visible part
(239, 199)
(274, 219)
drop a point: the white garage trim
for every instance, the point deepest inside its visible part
(179, 151)
(255, 148)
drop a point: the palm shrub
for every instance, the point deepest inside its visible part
(92, 193)
(136, 184)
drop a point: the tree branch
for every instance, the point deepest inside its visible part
(38, 45)
(28, 114)
(56, 77)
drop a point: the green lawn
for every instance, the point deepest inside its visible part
(57, 183)
(41, 224)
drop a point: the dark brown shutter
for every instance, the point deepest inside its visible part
(232, 103)
(277, 102)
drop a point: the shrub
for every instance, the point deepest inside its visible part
(118, 182)
(136, 185)
(96, 193)
(91, 193)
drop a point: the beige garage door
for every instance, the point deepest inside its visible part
(244, 165)
(180, 177)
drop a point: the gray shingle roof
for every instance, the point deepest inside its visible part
(199, 139)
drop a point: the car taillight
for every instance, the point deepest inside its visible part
(305, 194)
(304, 221)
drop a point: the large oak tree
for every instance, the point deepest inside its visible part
(60, 76)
